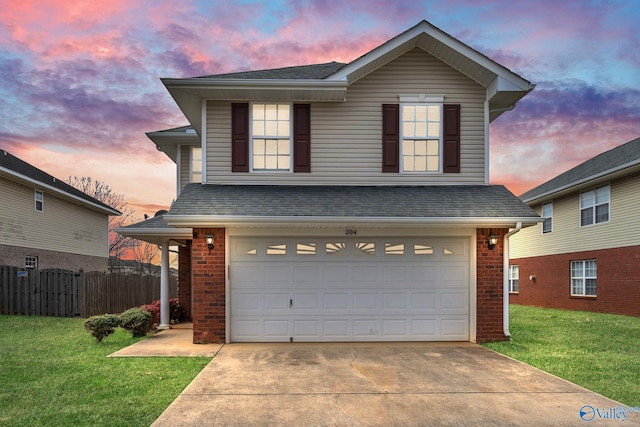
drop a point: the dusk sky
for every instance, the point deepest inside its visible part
(80, 80)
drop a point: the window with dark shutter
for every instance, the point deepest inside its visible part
(302, 138)
(239, 137)
(451, 140)
(390, 138)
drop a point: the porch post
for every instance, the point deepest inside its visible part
(164, 288)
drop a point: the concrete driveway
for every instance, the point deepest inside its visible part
(382, 384)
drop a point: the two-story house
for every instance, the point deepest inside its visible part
(343, 202)
(46, 223)
(586, 254)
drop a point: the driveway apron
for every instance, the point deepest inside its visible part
(382, 384)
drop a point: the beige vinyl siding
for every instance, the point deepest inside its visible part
(185, 165)
(567, 235)
(346, 145)
(62, 226)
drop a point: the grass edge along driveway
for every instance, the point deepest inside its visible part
(600, 352)
(54, 373)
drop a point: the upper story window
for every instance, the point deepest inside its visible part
(594, 206)
(39, 200)
(547, 214)
(271, 137)
(196, 164)
(421, 137)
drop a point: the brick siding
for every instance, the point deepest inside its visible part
(490, 288)
(208, 278)
(184, 279)
(14, 256)
(618, 281)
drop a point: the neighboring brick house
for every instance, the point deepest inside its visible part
(46, 223)
(343, 202)
(586, 254)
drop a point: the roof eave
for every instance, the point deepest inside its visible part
(168, 142)
(300, 221)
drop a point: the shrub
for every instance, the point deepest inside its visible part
(176, 311)
(137, 321)
(102, 326)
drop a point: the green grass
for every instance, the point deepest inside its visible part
(600, 352)
(52, 372)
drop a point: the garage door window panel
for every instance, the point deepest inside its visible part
(277, 249)
(365, 248)
(336, 248)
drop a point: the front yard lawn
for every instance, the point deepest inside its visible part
(52, 372)
(600, 352)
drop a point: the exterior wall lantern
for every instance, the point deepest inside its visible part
(492, 241)
(209, 238)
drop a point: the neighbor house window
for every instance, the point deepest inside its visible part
(271, 137)
(421, 137)
(514, 278)
(547, 214)
(583, 278)
(196, 164)
(594, 206)
(31, 262)
(39, 198)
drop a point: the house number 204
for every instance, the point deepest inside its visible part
(350, 232)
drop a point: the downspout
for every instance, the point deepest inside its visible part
(505, 280)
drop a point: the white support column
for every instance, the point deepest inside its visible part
(165, 322)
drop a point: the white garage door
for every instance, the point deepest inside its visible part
(349, 289)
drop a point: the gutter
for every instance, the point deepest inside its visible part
(505, 281)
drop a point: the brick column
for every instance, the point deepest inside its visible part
(184, 279)
(208, 277)
(489, 277)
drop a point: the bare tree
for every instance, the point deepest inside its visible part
(100, 191)
(144, 253)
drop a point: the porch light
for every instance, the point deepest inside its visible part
(492, 241)
(209, 238)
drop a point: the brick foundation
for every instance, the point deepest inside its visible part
(618, 282)
(490, 288)
(184, 279)
(14, 256)
(208, 286)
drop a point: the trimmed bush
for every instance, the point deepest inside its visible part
(137, 321)
(102, 326)
(176, 311)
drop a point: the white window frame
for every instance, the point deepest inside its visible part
(593, 204)
(31, 262)
(581, 271)
(436, 101)
(252, 137)
(193, 163)
(514, 279)
(38, 197)
(547, 216)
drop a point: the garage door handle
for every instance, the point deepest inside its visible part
(291, 303)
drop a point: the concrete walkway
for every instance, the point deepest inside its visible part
(174, 342)
(382, 384)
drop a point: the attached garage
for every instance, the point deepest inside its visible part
(349, 289)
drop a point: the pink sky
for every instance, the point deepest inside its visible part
(80, 80)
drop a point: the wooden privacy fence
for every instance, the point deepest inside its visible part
(63, 293)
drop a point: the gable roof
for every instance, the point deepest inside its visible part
(264, 204)
(18, 170)
(622, 160)
(328, 82)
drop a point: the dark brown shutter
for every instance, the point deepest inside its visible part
(239, 137)
(451, 125)
(302, 138)
(390, 138)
